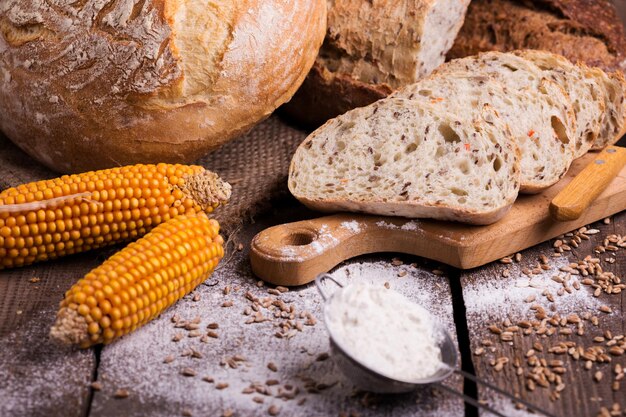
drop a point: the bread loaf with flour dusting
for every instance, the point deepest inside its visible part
(94, 84)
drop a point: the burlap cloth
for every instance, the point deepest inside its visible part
(256, 165)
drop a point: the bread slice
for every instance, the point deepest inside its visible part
(614, 89)
(584, 91)
(400, 157)
(537, 124)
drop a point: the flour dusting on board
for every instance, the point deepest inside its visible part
(386, 225)
(411, 225)
(352, 226)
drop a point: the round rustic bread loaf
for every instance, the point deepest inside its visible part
(92, 84)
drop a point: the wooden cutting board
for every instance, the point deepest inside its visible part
(295, 253)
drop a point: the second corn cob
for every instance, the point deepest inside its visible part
(74, 213)
(140, 281)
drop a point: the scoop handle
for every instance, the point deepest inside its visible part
(574, 199)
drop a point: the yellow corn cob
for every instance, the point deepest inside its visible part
(74, 213)
(139, 282)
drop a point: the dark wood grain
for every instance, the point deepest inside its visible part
(485, 293)
(38, 377)
(136, 363)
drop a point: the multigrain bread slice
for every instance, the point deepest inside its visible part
(614, 91)
(536, 123)
(400, 157)
(372, 48)
(584, 91)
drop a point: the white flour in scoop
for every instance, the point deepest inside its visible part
(384, 331)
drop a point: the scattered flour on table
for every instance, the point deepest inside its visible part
(508, 294)
(385, 331)
(46, 376)
(135, 362)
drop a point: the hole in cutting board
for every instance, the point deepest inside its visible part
(299, 238)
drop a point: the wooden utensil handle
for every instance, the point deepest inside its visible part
(574, 199)
(295, 253)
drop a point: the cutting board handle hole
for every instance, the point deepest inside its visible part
(299, 238)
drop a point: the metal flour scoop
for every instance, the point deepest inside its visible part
(371, 380)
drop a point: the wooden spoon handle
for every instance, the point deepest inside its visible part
(295, 253)
(574, 199)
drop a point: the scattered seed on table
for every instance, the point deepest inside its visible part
(272, 367)
(188, 372)
(605, 309)
(228, 413)
(387, 285)
(121, 393)
(598, 376)
(187, 412)
(221, 385)
(96, 386)
(273, 410)
(212, 334)
(168, 359)
(227, 304)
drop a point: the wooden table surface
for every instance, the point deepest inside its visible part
(488, 311)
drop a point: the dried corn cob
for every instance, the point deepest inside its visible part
(140, 281)
(74, 213)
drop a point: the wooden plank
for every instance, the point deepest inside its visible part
(136, 362)
(38, 377)
(491, 298)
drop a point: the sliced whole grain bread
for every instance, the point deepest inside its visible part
(614, 90)
(540, 133)
(402, 157)
(586, 94)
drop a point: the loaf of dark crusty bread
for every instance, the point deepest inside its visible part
(588, 31)
(92, 84)
(371, 48)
